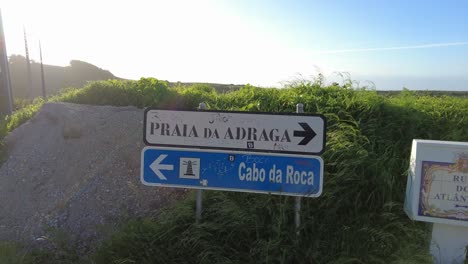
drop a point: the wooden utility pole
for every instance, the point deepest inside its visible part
(6, 97)
(44, 94)
(28, 67)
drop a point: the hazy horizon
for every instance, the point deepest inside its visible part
(419, 45)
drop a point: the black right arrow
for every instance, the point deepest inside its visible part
(308, 134)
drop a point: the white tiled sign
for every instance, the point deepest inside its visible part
(437, 188)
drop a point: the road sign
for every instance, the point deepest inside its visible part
(245, 131)
(283, 174)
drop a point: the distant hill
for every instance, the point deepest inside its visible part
(435, 93)
(56, 77)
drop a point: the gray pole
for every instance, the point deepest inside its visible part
(6, 96)
(44, 94)
(297, 204)
(199, 204)
(28, 66)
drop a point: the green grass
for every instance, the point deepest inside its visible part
(9, 254)
(358, 219)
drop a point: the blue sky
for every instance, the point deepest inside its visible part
(395, 44)
(376, 39)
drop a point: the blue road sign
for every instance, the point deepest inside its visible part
(283, 174)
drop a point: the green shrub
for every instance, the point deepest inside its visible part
(358, 219)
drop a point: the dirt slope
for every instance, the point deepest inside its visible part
(75, 168)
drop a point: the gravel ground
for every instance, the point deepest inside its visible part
(75, 169)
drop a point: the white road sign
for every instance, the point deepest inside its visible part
(247, 131)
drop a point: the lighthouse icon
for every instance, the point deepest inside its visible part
(189, 168)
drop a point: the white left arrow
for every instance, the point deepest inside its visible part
(156, 166)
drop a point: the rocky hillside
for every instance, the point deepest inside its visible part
(77, 74)
(75, 169)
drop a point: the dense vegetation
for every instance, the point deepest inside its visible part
(434, 93)
(358, 219)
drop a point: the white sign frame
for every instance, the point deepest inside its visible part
(290, 133)
(435, 154)
(232, 189)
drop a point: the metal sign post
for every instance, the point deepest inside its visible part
(297, 204)
(270, 153)
(199, 204)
